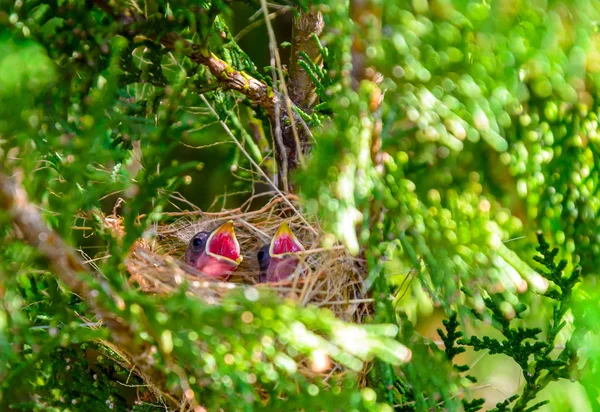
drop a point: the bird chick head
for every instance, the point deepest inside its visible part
(215, 253)
(278, 260)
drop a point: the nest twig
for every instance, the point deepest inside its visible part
(330, 278)
(326, 277)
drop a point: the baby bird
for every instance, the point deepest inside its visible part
(278, 260)
(215, 253)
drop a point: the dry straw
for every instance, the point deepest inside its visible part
(325, 277)
(328, 278)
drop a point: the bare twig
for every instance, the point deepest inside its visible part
(278, 106)
(259, 23)
(295, 144)
(264, 175)
(233, 79)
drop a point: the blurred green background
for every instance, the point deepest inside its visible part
(506, 174)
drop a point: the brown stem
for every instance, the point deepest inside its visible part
(229, 77)
(301, 87)
(367, 15)
(295, 141)
(67, 266)
(300, 91)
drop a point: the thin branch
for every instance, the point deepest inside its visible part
(258, 23)
(294, 147)
(231, 78)
(67, 266)
(262, 172)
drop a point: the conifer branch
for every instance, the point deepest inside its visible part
(280, 110)
(254, 89)
(72, 272)
(524, 345)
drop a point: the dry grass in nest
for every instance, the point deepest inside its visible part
(329, 278)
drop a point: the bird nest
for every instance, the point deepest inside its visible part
(326, 277)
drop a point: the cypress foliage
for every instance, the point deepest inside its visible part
(431, 140)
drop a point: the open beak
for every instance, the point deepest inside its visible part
(284, 242)
(223, 245)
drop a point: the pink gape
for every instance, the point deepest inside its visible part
(217, 253)
(279, 260)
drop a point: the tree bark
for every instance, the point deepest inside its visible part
(301, 87)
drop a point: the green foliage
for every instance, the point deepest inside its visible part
(488, 119)
(450, 338)
(247, 344)
(523, 344)
(586, 311)
(81, 377)
(479, 135)
(424, 391)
